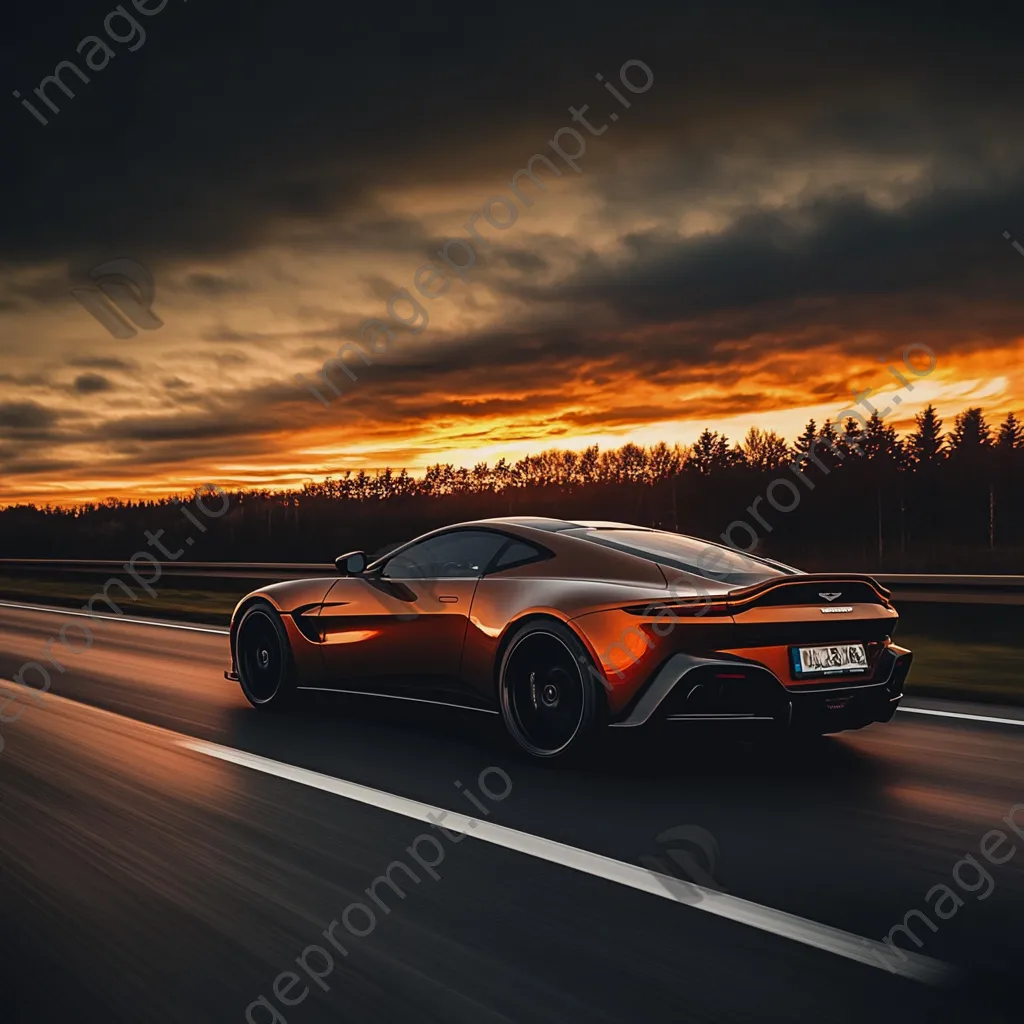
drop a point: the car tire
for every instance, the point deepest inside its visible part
(263, 659)
(552, 702)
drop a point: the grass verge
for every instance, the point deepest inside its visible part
(212, 607)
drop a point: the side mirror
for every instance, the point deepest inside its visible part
(351, 564)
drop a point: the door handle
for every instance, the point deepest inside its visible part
(448, 599)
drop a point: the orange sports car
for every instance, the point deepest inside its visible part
(564, 628)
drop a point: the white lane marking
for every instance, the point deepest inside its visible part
(962, 715)
(114, 618)
(767, 919)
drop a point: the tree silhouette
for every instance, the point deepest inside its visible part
(804, 444)
(1011, 433)
(710, 452)
(970, 433)
(764, 450)
(904, 503)
(881, 443)
(926, 445)
(853, 436)
(664, 462)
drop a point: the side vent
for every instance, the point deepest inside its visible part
(308, 625)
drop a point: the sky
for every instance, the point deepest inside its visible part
(795, 194)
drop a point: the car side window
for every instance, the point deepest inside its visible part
(460, 554)
(515, 553)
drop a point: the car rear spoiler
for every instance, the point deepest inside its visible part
(805, 586)
(752, 594)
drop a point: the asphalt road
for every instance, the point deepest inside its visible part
(151, 871)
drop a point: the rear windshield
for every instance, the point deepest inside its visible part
(700, 557)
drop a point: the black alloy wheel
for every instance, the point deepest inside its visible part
(263, 658)
(550, 700)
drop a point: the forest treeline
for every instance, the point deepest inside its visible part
(866, 498)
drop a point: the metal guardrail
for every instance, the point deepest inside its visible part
(927, 580)
(285, 570)
(954, 589)
(907, 586)
(195, 570)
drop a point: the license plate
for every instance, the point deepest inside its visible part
(838, 659)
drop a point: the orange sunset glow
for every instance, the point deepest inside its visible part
(725, 259)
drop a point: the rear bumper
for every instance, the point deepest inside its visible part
(743, 693)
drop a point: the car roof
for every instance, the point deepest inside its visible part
(556, 525)
(546, 524)
(563, 525)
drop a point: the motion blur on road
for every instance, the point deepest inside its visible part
(142, 879)
(285, 286)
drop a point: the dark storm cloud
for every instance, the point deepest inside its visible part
(34, 380)
(815, 263)
(17, 416)
(231, 358)
(46, 290)
(380, 288)
(101, 363)
(15, 466)
(229, 335)
(241, 125)
(261, 409)
(215, 284)
(236, 117)
(524, 371)
(248, 421)
(525, 262)
(91, 383)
